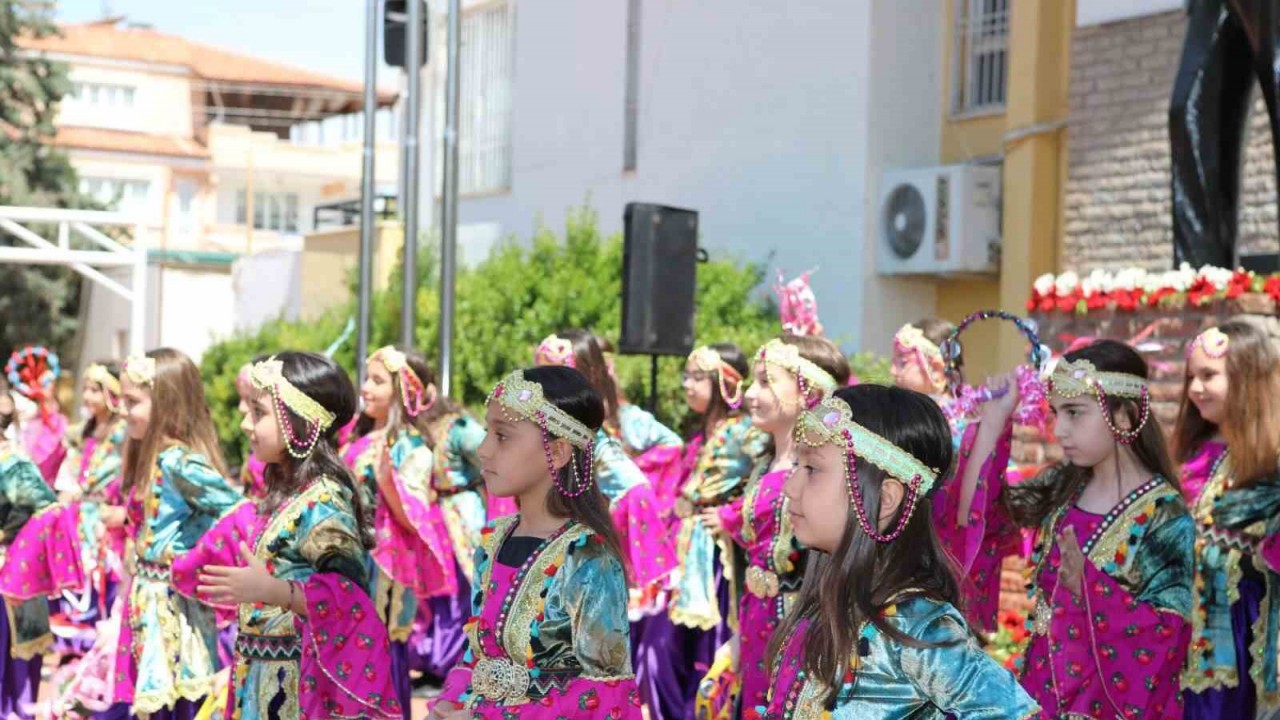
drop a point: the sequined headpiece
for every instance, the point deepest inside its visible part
(32, 371)
(911, 340)
(707, 359)
(413, 392)
(141, 370)
(808, 375)
(109, 383)
(521, 399)
(831, 423)
(1074, 379)
(555, 350)
(268, 376)
(1213, 342)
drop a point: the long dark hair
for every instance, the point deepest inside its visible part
(1252, 423)
(569, 390)
(324, 381)
(398, 415)
(718, 409)
(1149, 448)
(852, 585)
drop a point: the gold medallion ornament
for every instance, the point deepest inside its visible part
(500, 680)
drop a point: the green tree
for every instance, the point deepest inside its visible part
(37, 304)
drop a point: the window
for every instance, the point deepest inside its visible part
(484, 123)
(106, 95)
(980, 70)
(271, 211)
(128, 196)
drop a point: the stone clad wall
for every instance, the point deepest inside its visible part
(1117, 210)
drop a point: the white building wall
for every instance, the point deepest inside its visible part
(759, 115)
(161, 100)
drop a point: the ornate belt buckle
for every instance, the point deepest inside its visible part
(762, 583)
(684, 508)
(500, 680)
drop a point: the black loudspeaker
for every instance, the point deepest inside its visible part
(395, 21)
(659, 279)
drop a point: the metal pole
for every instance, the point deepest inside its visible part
(449, 201)
(138, 286)
(413, 65)
(367, 185)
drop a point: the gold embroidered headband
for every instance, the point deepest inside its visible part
(521, 399)
(1075, 379)
(831, 423)
(141, 370)
(707, 359)
(1213, 342)
(808, 374)
(412, 390)
(268, 376)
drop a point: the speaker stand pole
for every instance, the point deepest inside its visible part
(653, 383)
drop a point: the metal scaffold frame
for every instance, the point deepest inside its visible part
(14, 221)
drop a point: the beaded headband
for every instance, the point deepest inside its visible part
(555, 350)
(808, 374)
(99, 374)
(1074, 379)
(521, 399)
(831, 423)
(412, 390)
(1213, 342)
(911, 340)
(141, 370)
(707, 359)
(268, 376)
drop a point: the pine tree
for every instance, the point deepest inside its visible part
(37, 304)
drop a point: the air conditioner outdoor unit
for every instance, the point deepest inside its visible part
(939, 221)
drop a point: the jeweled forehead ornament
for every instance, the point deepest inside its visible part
(706, 359)
(831, 422)
(141, 370)
(521, 399)
(1068, 380)
(788, 357)
(1213, 342)
(268, 376)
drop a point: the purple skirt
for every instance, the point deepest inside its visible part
(438, 640)
(670, 660)
(19, 679)
(1240, 701)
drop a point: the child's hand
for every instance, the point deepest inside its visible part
(228, 585)
(448, 710)
(711, 519)
(113, 516)
(1071, 574)
(1005, 395)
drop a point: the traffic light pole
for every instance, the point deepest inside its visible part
(413, 66)
(449, 201)
(367, 185)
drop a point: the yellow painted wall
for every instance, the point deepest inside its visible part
(330, 256)
(1034, 172)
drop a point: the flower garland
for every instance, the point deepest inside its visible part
(1135, 288)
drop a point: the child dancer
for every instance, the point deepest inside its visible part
(293, 565)
(393, 462)
(98, 465)
(875, 632)
(549, 635)
(632, 501)
(789, 374)
(1233, 374)
(982, 459)
(175, 489)
(24, 618)
(720, 458)
(1111, 572)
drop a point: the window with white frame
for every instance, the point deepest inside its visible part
(980, 70)
(128, 196)
(484, 123)
(271, 211)
(103, 95)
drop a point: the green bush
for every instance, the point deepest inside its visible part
(507, 304)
